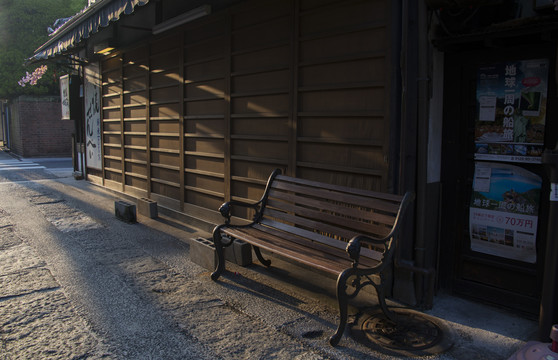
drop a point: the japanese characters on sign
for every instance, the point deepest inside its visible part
(93, 117)
(503, 214)
(511, 111)
(65, 96)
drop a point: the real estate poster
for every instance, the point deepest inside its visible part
(93, 117)
(511, 111)
(503, 213)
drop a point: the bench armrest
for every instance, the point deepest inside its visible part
(226, 208)
(259, 206)
(355, 244)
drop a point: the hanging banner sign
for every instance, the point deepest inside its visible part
(93, 117)
(65, 96)
(511, 111)
(503, 214)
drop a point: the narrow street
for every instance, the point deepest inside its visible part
(77, 283)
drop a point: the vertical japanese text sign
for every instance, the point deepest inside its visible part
(93, 117)
(65, 96)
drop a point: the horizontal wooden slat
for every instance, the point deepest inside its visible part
(330, 219)
(342, 86)
(165, 166)
(366, 215)
(330, 259)
(259, 70)
(396, 199)
(347, 196)
(169, 183)
(345, 30)
(332, 246)
(340, 141)
(347, 114)
(329, 226)
(299, 254)
(204, 191)
(204, 60)
(136, 175)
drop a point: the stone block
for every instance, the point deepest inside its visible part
(125, 211)
(239, 252)
(202, 252)
(148, 208)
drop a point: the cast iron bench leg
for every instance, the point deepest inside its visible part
(382, 300)
(342, 300)
(265, 262)
(220, 254)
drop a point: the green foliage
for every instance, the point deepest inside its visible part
(23, 28)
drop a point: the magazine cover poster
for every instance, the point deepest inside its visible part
(511, 111)
(503, 213)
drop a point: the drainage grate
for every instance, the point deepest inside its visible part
(414, 333)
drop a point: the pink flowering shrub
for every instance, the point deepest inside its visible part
(33, 77)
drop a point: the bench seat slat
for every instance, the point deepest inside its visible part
(368, 257)
(314, 256)
(303, 236)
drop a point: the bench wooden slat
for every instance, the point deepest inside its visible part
(368, 193)
(359, 213)
(357, 200)
(369, 257)
(315, 255)
(324, 227)
(285, 230)
(305, 234)
(338, 225)
(289, 250)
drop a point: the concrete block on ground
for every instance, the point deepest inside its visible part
(148, 208)
(202, 252)
(125, 211)
(239, 252)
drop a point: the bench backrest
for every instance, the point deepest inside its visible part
(329, 214)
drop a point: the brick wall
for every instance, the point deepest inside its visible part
(36, 128)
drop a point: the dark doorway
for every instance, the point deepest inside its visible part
(490, 276)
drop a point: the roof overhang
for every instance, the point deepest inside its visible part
(82, 25)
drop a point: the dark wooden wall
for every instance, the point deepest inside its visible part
(205, 113)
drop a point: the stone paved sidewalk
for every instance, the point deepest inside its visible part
(37, 320)
(76, 283)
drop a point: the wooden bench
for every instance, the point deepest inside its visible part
(342, 231)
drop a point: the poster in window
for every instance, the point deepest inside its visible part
(503, 213)
(93, 117)
(511, 111)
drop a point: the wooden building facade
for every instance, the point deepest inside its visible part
(203, 113)
(373, 94)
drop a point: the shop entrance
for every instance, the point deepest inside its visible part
(498, 114)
